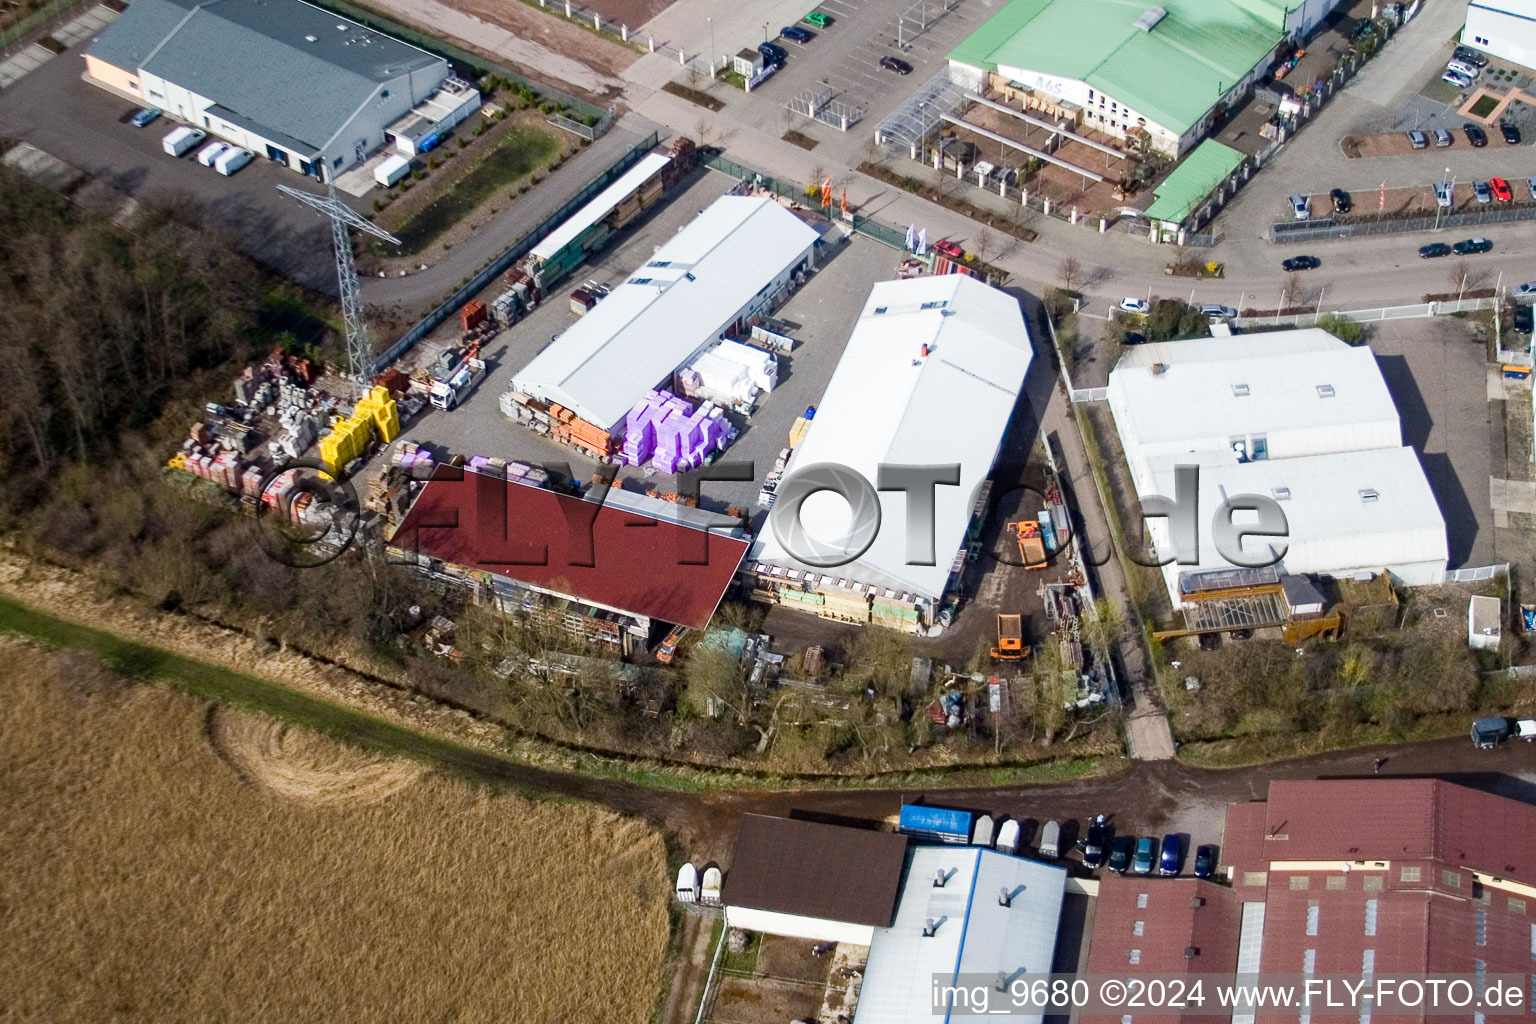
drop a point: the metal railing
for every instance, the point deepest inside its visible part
(1446, 307)
(429, 323)
(896, 238)
(1283, 232)
(1475, 574)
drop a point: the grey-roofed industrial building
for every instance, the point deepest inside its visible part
(964, 913)
(282, 78)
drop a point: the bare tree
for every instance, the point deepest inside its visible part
(1290, 294)
(1070, 273)
(985, 245)
(702, 128)
(789, 118)
(1460, 275)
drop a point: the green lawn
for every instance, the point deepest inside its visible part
(523, 150)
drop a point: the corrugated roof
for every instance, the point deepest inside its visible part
(976, 936)
(1161, 920)
(1172, 74)
(280, 65)
(888, 404)
(682, 297)
(638, 563)
(1197, 175)
(600, 206)
(811, 869)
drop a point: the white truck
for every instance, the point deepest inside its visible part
(179, 140)
(454, 388)
(231, 160)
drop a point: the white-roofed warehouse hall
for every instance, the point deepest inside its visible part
(930, 376)
(1298, 417)
(737, 260)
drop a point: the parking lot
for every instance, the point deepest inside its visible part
(57, 111)
(842, 62)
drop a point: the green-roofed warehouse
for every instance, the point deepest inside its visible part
(1193, 181)
(1125, 67)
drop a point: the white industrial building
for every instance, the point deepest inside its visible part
(735, 261)
(930, 376)
(1296, 416)
(285, 79)
(993, 916)
(1503, 28)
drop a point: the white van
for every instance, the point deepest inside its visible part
(211, 152)
(231, 160)
(179, 140)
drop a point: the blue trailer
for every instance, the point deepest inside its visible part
(938, 823)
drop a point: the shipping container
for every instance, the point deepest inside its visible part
(941, 823)
(391, 170)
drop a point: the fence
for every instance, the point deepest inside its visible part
(478, 65)
(1475, 574)
(590, 132)
(427, 324)
(1410, 312)
(896, 238)
(1308, 230)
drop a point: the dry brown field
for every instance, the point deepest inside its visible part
(163, 859)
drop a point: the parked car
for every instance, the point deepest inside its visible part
(211, 152)
(1171, 857)
(1457, 79)
(1444, 194)
(1488, 733)
(1094, 842)
(1216, 311)
(144, 116)
(1443, 137)
(1205, 860)
(1509, 133)
(1525, 319)
(1417, 139)
(773, 53)
(948, 248)
(1471, 246)
(1524, 291)
(1525, 729)
(1301, 263)
(818, 19)
(1120, 854)
(1467, 55)
(1501, 190)
(1482, 192)
(1463, 68)
(1146, 853)
(1341, 201)
(1131, 304)
(896, 64)
(1133, 338)
(1530, 186)
(1475, 135)
(1434, 251)
(1300, 208)
(796, 34)
(1209, 641)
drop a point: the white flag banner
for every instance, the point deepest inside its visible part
(922, 242)
(911, 236)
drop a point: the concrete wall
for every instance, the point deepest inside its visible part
(113, 76)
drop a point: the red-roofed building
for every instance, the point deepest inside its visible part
(1352, 877)
(1164, 927)
(609, 570)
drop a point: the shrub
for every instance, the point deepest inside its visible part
(1342, 327)
(377, 205)
(418, 174)
(432, 162)
(463, 142)
(546, 107)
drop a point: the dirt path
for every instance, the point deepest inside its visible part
(543, 45)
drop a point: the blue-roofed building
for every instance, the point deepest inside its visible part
(282, 78)
(964, 912)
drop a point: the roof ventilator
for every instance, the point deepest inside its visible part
(1150, 17)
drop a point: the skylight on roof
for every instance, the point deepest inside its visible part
(1281, 493)
(1325, 391)
(1369, 494)
(1240, 390)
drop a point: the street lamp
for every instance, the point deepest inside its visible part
(765, 31)
(712, 50)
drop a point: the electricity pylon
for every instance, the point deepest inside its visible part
(342, 217)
